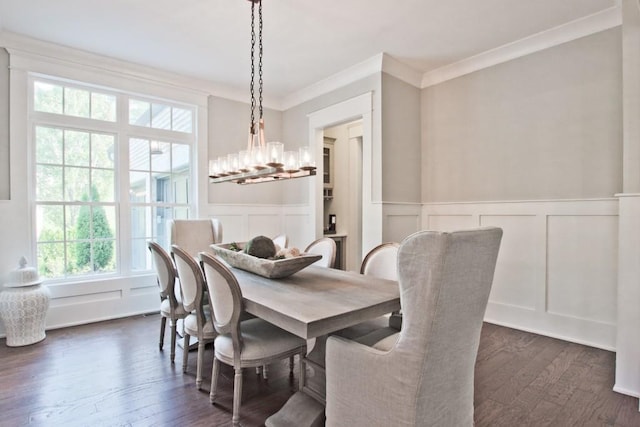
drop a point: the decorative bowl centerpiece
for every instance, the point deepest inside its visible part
(234, 255)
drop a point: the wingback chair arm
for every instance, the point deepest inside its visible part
(354, 369)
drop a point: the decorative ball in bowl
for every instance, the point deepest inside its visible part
(280, 265)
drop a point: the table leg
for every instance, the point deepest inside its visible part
(306, 407)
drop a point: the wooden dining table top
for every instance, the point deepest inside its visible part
(317, 300)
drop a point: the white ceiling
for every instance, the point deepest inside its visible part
(304, 41)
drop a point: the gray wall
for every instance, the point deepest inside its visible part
(401, 145)
(228, 131)
(4, 124)
(545, 126)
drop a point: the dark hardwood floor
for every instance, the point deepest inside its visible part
(112, 374)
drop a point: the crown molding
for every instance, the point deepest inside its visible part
(356, 72)
(400, 70)
(18, 44)
(381, 62)
(573, 30)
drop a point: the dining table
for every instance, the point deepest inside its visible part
(311, 304)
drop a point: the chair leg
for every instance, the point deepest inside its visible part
(200, 363)
(303, 371)
(185, 352)
(214, 380)
(163, 322)
(174, 332)
(265, 372)
(237, 397)
(291, 365)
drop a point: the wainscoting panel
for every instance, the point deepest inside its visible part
(298, 227)
(516, 277)
(242, 222)
(233, 227)
(556, 273)
(400, 220)
(81, 302)
(450, 222)
(264, 225)
(582, 271)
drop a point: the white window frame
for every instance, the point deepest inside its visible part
(122, 131)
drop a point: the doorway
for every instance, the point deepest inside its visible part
(342, 191)
(369, 221)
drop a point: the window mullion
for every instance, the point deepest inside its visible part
(123, 187)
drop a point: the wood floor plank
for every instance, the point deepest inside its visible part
(575, 410)
(543, 414)
(532, 368)
(112, 374)
(562, 391)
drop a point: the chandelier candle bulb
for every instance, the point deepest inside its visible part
(232, 160)
(224, 166)
(275, 150)
(306, 160)
(258, 157)
(291, 161)
(244, 161)
(213, 168)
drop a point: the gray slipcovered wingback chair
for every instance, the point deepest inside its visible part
(195, 235)
(198, 321)
(242, 344)
(423, 376)
(326, 247)
(170, 306)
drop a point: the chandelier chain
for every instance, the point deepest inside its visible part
(253, 45)
(260, 54)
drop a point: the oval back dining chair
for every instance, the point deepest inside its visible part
(242, 344)
(170, 299)
(198, 321)
(326, 247)
(426, 377)
(382, 262)
(281, 240)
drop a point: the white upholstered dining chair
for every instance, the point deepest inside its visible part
(281, 240)
(195, 235)
(326, 247)
(381, 262)
(424, 375)
(198, 321)
(242, 344)
(170, 299)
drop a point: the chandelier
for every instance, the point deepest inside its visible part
(261, 161)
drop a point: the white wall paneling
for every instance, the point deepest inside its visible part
(78, 303)
(557, 269)
(242, 222)
(400, 220)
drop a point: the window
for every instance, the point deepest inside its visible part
(84, 151)
(159, 176)
(160, 116)
(71, 101)
(75, 213)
